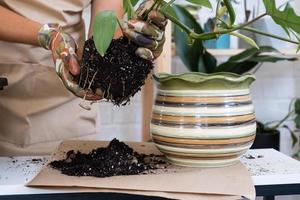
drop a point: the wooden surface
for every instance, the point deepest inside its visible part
(266, 166)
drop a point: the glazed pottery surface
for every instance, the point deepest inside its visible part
(203, 120)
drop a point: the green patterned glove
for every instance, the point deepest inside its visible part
(63, 48)
(149, 34)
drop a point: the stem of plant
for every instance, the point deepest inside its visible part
(282, 121)
(158, 5)
(269, 35)
(209, 35)
(130, 6)
(217, 15)
(119, 23)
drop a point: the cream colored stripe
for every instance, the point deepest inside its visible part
(176, 154)
(204, 100)
(203, 151)
(190, 119)
(204, 133)
(202, 163)
(208, 111)
(201, 93)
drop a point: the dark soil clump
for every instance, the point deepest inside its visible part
(119, 74)
(116, 159)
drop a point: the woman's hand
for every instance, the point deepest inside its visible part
(149, 34)
(64, 49)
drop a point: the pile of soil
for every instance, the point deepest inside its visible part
(116, 159)
(119, 74)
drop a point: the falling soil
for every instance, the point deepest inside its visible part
(119, 74)
(115, 159)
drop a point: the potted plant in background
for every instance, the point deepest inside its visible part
(268, 134)
(226, 94)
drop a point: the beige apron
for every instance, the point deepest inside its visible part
(36, 110)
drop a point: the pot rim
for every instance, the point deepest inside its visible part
(198, 77)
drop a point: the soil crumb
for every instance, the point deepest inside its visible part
(114, 160)
(119, 73)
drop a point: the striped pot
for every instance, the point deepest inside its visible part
(203, 120)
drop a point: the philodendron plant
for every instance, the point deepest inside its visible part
(286, 18)
(111, 67)
(197, 59)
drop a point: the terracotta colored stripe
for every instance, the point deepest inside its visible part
(208, 100)
(202, 125)
(196, 125)
(189, 155)
(201, 158)
(192, 119)
(201, 142)
(204, 146)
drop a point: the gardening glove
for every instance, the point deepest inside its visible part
(149, 34)
(64, 48)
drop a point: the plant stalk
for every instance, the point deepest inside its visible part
(269, 35)
(130, 7)
(209, 35)
(282, 121)
(167, 4)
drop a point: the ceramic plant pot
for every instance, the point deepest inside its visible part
(203, 120)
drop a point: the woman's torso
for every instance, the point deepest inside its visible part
(36, 110)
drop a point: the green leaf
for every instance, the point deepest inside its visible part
(248, 59)
(169, 9)
(230, 11)
(237, 68)
(297, 106)
(249, 53)
(246, 39)
(205, 3)
(127, 8)
(103, 30)
(210, 62)
(298, 49)
(297, 155)
(294, 137)
(189, 54)
(297, 121)
(287, 18)
(273, 59)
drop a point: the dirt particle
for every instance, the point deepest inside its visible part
(249, 157)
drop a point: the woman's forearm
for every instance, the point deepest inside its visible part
(16, 28)
(100, 5)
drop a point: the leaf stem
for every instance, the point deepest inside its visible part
(130, 7)
(212, 35)
(217, 15)
(176, 21)
(282, 121)
(167, 4)
(119, 23)
(208, 35)
(269, 35)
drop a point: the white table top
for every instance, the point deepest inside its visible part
(266, 166)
